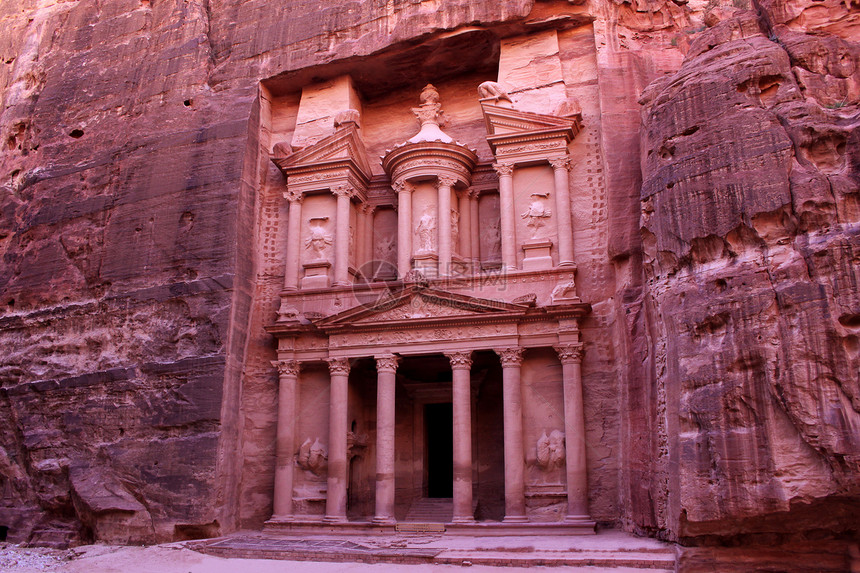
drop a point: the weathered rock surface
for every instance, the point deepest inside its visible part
(749, 224)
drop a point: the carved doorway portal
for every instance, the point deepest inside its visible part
(439, 440)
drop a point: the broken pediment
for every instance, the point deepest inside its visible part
(344, 145)
(510, 131)
(416, 303)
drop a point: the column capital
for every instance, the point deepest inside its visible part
(402, 187)
(570, 353)
(510, 357)
(560, 163)
(294, 196)
(460, 360)
(338, 366)
(504, 169)
(473, 193)
(446, 181)
(367, 208)
(343, 189)
(387, 363)
(286, 367)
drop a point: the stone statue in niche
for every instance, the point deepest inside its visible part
(494, 240)
(318, 239)
(426, 231)
(493, 90)
(550, 450)
(352, 243)
(312, 457)
(537, 213)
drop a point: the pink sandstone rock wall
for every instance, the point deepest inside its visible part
(139, 264)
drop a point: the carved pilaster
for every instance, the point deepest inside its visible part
(510, 357)
(338, 366)
(570, 353)
(460, 360)
(286, 367)
(387, 363)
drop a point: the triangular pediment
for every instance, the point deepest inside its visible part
(345, 144)
(508, 121)
(415, 304)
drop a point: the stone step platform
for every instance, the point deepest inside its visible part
(609, 550)
(431, 510)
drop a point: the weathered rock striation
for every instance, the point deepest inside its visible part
(750, 231)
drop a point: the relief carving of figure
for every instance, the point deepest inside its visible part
(426, 231)
(550, 450)
(384, 248)
(536, 213)
(494, 239)
(312, 457)
(318, 239)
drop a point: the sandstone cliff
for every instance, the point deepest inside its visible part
(749, 227)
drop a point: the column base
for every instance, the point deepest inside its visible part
(383, 520)
(515, 519)
(283, 518)
(464, 520)
(579, 520)
(334, 519)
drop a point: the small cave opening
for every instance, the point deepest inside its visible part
(76, 133)
(188, 102)
(4, 532)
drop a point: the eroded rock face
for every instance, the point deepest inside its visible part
(750, 228)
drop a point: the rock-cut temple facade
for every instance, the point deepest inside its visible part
(429, 343)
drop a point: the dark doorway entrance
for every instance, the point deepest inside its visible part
(439, 432)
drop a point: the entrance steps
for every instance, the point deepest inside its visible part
(609, 550)
(431, 510)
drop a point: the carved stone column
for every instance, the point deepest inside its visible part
(574, 432)
(367, 243)
(404, 226)
(506, 210)
(341, 241)
(335, 507)
(443, 227)
(515, 499)
(560, 168)
(465, 246)
(474, 228)
(461, 365)
(285, 445)
(294, 237)
(386, 368)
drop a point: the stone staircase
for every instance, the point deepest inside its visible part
(431, 510)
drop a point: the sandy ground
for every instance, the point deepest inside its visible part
(174, 558)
